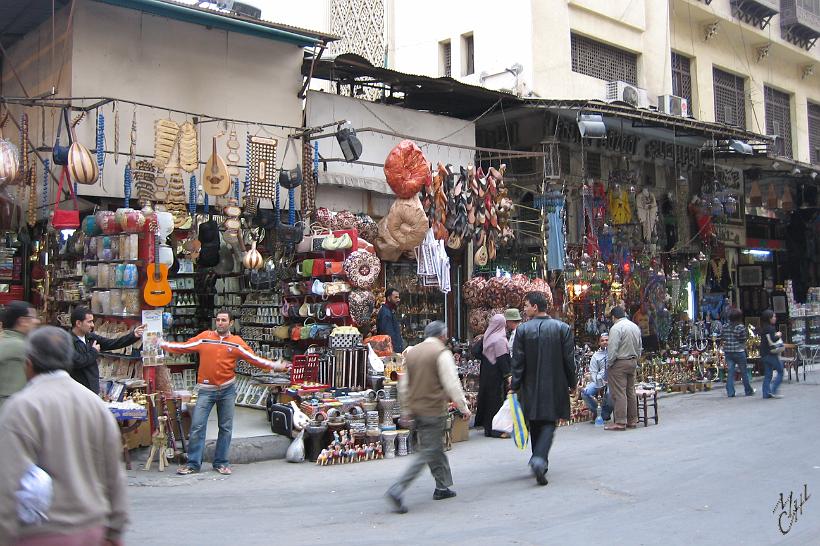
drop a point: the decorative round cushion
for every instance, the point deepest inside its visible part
(479, 318)
(406, 169)
(386, 246)
(323, 217)
(540, 285)
(407, 223)
(366, 227)
(473, 291)
(360, 304)
(497, 291)
(344, 219)
(516, 290)
(362, 268)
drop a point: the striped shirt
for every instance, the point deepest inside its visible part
(217, 357)
(733, 338)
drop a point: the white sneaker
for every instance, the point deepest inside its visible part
(775, 396)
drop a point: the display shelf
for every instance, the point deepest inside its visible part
(124, 357)
(116, 316)
(138, 262)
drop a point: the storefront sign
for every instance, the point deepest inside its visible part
(629, 144)
(731, 235)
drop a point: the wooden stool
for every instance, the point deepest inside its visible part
(647, 399)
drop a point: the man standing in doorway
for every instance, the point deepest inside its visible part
(219, 351)
(87, 347)
(19, 318)
(543, 375)
(624, 349)
(430, 383)
(387, 321)
(513, 318)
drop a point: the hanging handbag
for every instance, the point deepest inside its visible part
(290, 178)
(337, 309)
(66, 219)
(60, 153)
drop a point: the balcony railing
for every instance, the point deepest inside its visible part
(755, 12)
(799, 25)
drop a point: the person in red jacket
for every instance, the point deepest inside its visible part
(219, 351)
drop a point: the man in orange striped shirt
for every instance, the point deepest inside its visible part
(219, 352)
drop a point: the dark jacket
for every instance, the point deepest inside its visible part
(543, 368)
(85, 369)
(388, 323)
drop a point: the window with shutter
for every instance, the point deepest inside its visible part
(603, 61)
(682, 77)
(778, 119)
(730, 98)
(814, 132)
(445, 59)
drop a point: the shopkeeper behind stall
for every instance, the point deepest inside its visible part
(387, 321)
(87, 347)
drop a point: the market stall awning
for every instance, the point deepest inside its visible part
(644, 117)
(444, 96)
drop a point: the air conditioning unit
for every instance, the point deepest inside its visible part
(628, 93)
(676, 106)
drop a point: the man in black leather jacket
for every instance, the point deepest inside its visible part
(543, 375)
(87, 346)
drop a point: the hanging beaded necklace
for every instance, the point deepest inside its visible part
(44, 196)
(100, 143)
(127, 185)
(192, 195)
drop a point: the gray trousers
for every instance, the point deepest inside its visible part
(430, 432)
(621, 378)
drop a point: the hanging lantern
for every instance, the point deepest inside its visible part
(600, 271)
(755, 195)
(730, 205)
(716, 206)
(787, 204)
(771, 198)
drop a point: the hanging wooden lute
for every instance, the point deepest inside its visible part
(216, 180)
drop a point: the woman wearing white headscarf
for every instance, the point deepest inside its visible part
(495, 367)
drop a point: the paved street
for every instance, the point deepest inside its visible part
(711, 473)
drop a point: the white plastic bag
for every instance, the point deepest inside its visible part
(374, 360)
(34, 496)
(502, 422)
(296, 450)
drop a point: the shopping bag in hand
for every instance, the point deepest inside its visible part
(520, 433)
(503, 420)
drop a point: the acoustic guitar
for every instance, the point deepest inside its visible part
(157, 291)
(217, 180)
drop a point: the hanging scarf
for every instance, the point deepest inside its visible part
(495, 338)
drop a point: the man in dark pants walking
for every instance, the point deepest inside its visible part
(430, 383)
(543, 375)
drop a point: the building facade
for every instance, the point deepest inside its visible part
(749, 64)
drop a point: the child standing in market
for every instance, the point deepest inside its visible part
(218, 350)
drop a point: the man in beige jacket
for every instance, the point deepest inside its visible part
(58, 425)
(427, 387)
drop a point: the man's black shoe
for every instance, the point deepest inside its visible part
(396, 502)
(441, 494)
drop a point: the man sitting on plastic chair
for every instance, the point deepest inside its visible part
(597, 382)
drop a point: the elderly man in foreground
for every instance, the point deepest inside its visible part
(62, 480)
